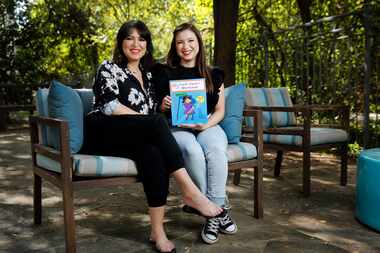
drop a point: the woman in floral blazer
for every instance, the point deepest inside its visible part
(124, 124)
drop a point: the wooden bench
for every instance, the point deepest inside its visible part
(62, 168)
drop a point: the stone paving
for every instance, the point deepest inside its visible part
(115, 219)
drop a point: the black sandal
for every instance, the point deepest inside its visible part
(159, 251)
(192, 210)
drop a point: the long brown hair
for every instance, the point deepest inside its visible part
(174, 60)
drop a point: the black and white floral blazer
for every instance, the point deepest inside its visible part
(115, 85)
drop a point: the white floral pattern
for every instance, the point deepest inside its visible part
(135, 97)
(117, 83)
(145, 109)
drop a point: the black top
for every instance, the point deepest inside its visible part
(163, 73)
(117, 83)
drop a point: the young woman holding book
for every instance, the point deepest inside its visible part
(124, 124)
(204, 146)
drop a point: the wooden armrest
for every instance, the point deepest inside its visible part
(63, 156)
(52, 122)
(328, 107)
(343, 110)
(306, 111)
(8, 108)
(300, 108)
(296, 108)
(285, 131)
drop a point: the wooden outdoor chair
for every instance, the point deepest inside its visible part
(282, 133)
(70, 171)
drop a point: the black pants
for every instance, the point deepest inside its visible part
(146, 139)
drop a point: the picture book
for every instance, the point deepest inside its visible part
(189, 103)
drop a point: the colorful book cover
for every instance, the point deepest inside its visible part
(189, 103)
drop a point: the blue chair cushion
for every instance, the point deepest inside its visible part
(233, 117)
(271, 97)
(241, 151)
(317, 136)
(93, 166)
(87, 97)
(42, 109)
(64, 103)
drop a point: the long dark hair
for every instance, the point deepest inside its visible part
(174, 60)
(125, 30)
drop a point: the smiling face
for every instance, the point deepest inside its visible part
(187, 47)
(187, 100)
(134, 46)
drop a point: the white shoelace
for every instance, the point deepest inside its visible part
(212, 225)
(225, 220)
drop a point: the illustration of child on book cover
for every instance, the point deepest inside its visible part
(189, 104)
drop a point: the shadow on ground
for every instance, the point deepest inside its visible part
(115, 219)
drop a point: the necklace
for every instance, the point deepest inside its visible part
(133, 71)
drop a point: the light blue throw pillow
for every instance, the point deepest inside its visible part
(65, 103)
(87, 97)
(233, 116)
(42, 109)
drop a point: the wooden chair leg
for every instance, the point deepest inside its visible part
(237, 177)
(258, 211)
(343, 169)
(37, 199)
(68, 213)
(306, 172)
(277, 165)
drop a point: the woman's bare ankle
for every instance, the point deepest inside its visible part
(157, 236)
(203, 205)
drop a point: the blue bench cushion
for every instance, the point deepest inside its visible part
(93, 166)
(270, 97)
(241, 151)
(317, 136)
(233, 116)
(107, 166)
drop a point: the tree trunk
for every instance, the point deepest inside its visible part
(304, 7)
(307, 70)
(225, 21)
(368, 19)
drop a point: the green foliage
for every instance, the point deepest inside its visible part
(68, 39)
(45, 39)
(354, 149)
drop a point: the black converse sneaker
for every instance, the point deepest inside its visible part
(226, 224)
(210, 230)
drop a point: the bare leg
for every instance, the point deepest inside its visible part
(193, 197)
(157, 233)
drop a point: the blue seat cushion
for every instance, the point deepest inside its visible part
(317, 136)
(93, 166)
(271, 97)
(233, 116)
(64, 103)
(241, 151)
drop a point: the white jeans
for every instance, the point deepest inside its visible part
(205, 155)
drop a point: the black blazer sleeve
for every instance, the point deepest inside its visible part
(160, 80)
